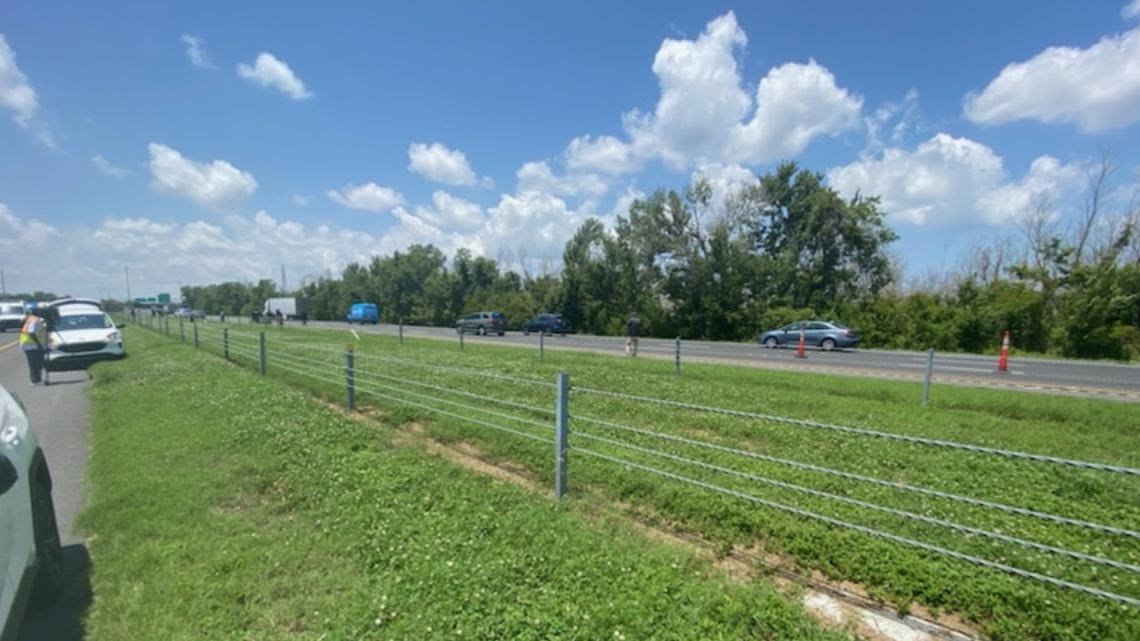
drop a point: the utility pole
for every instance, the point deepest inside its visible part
(283, 287)
(127, 272)
(3, 285)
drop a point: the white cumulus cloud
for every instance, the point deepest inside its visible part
(269, 71)
(604, 154)
(539, 177)
(705, 114)
(442, 165)
(1097, 88)
(450, 212)
(367, 197)
(952, 181)
(216, 184)
(196, 52)
(16, 93)
(18, 235)
(1130, 10)
(107, 167)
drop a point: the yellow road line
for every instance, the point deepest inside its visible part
(4, 347)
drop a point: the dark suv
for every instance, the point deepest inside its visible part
(547, 324)
(482, 323)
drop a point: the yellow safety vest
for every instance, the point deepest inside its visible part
(28, 331)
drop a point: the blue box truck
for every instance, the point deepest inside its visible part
(363, 313)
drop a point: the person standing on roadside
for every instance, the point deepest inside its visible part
(33, 346)
(633, 332)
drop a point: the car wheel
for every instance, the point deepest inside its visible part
(502, 333)
(526, 332)
(49, 553)
(828, 344)
(482, 331)
(770, 342)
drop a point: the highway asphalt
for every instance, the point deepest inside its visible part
(58, 414)
(1055, 376)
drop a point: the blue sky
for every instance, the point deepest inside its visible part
(315, 135)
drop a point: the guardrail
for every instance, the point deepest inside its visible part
(547, 409)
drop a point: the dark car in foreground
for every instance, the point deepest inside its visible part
(547, 324)
(482, 323)
(826, 335)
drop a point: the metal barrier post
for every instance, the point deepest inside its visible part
(195, 336)
(926, 379)
(561, 432)
(350, 378)
(677, 358)
(401, 331)
(226, 343)
(461, 340)
(541, 346)
(181, 330)
(261, 353)
(166, 324)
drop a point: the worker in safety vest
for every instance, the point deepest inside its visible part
(32, 339)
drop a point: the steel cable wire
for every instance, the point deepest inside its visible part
(920, 440)
(510, 417)
(457, 416)
(866, 479)
(1044, 578)
(1041, 547)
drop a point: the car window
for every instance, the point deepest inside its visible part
(472, 316)
(791, 328)
(84, 321)
(496, 314)
(818, 325)
(11, 309)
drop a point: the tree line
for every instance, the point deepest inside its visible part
(784, 248)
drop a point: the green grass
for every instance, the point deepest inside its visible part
(223, 506)
(1005, 606)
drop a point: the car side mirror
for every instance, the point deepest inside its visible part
(8, 474)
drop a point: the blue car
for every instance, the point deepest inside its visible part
(826, 335)
(547, 324)
(363, 313)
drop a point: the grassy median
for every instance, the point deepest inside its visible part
(224, 506)
(404, 380)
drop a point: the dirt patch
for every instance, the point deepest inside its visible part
(466, 455)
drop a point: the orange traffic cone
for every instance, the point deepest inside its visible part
(1003, 359)
(801, 351)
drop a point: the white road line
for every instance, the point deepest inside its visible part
(938, 366)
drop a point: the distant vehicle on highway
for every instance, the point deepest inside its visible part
(291, 308)
(547, 324)
(31, 561)
(482, 323)
(363, 313)
(80, 333)
(189, 314)
(826, 335)
(11, 315)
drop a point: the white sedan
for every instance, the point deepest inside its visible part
(81, 334)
